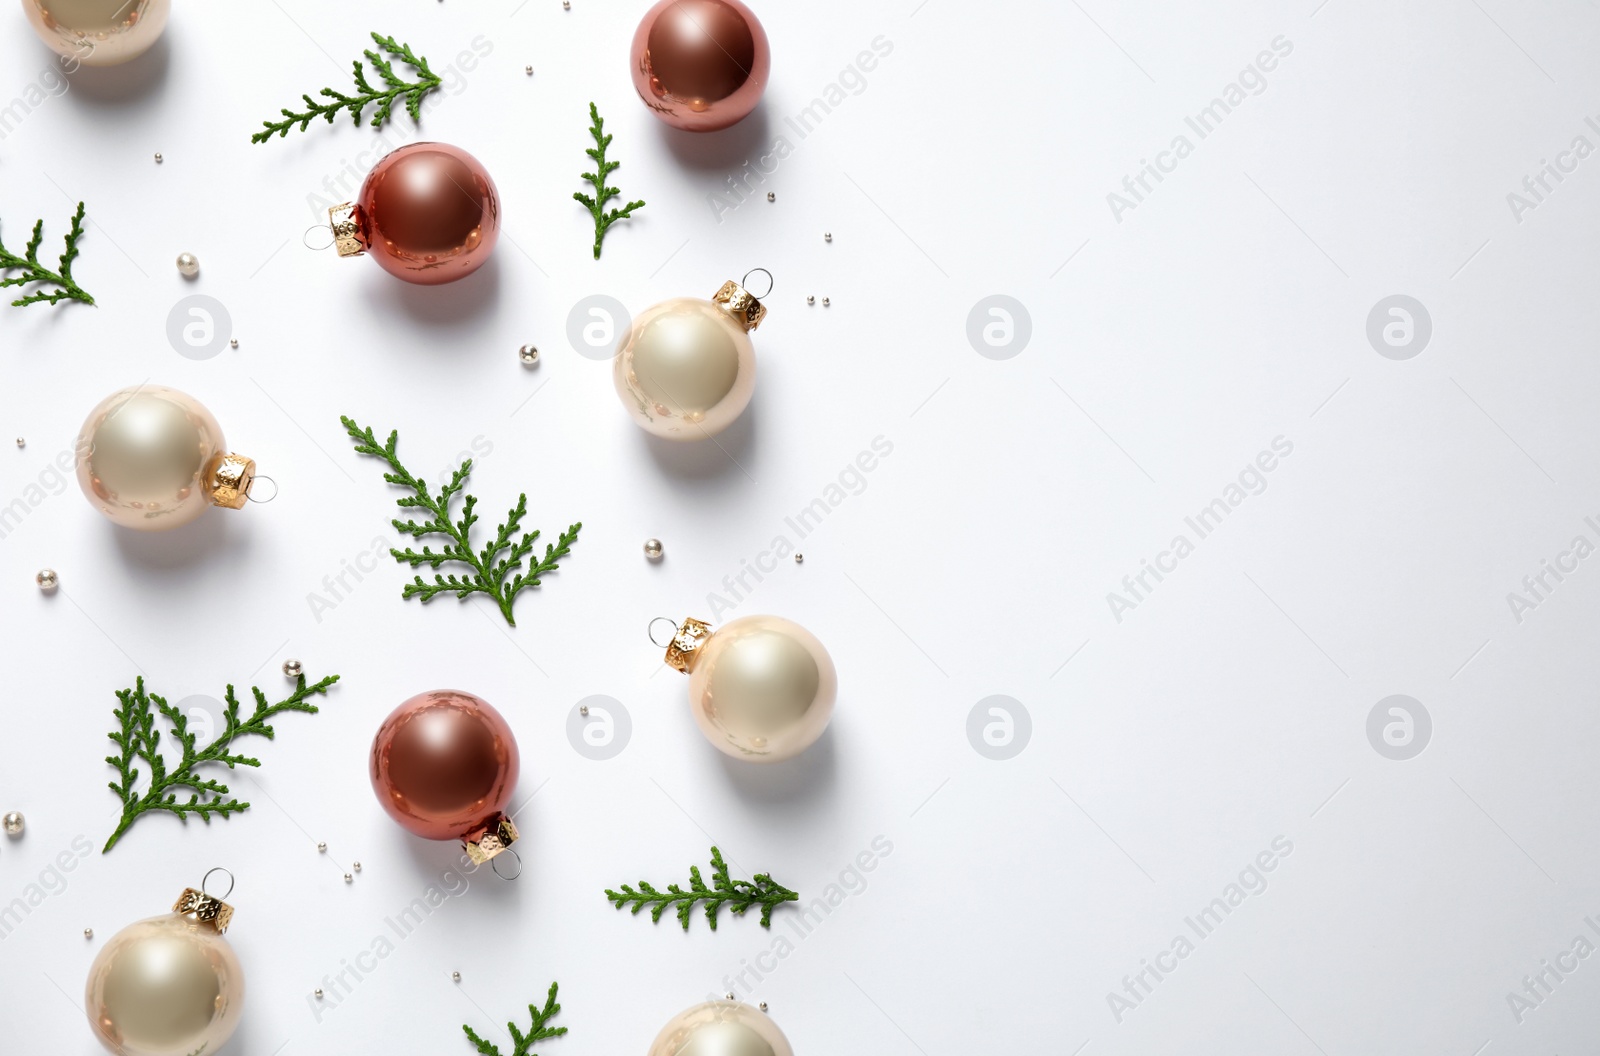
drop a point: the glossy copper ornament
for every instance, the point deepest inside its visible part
(444, 765)
(428, 213)
(701, 65)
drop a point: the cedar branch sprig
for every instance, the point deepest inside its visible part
(138, 738)
(366, 94)
(602, 193)
(737, 895)
(523, 1043)
(490, 567)
(33, 271)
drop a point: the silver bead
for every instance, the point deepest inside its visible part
(653, 549)
(318, 992)
(233, 343)
(47, 579)
(14, 823)
(293, 669)
(21, 442)
(566, 5)
(349, 879)
(528, 354)
(88, 933)
(528, 70)
(731, 997)
(322, 848)
(188, 265)
(826, 301)
(583, 709)
(827, 236)
(455, 976)
(159, 158)
(799, 559)
(356, 866)
(811, 300)
(772, 196)
(763, 1006)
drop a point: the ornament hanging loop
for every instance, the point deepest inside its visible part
(745, 282)
(305, 238)
(671, 633)
(207, 877)
(494, 864)
(250, 492)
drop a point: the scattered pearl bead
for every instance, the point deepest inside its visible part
(566, 5)
(583, 709)
(233, 343)
(349, 879)
(322, 848)
(455, 976)
(528, 70)
(159, 158)
(188, 265)
(730, 996)
(827, 236)
(772, 196)
(653, 549)
(47, 579)
(811, 300)
(88, 933)
(528, 354)
(318, 992)
(14, 823)
(293, 669)
(763, 1006)
(21, 442)
(356, 866)
(826, 301)
(799, 559)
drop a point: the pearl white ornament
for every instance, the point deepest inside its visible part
(293, 668)
(47, 579)
(687, 368)
(188, 265)
(528, 354)
(166, 986)
(154, 458)
(761, 688)
(721, 1028)
(653, 549)
(14, 823)
(322, 848)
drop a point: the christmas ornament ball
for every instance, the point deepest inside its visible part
(98, 32)
(167, 986)
(444, 765)
(154, 458)
(761, 688)
(428, 213)
(686, 369)
(701, 65)
(721, 1028)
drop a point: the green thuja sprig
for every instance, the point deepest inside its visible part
(523, 1043)
(366, 94)
(33, 271)
(491, 568)
(737, 895)
(137, 736)
(602, 193)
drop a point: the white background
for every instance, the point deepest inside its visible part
(1227, 709)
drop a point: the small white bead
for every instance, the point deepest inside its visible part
(318, 992)
(456, 976)
(349, 879)
(528, 70)
(772, 196)
(528, 354)
(826, 301)
(653, 549)
(293, 669)
(21, 442)
(188, 265)
(799, 559)
(322, 848)
(811, 300)
(827, 236)
(233, 343)
(159, 158)
(47, 579)
(14, 823)
(583, 709)
(763, 1006)
(88, 933)
(356, 866)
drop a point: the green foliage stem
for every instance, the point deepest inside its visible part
(491, 568)
(737, 895)
(366, 95)
(138, 738)
(602, 193)
(33, 271)
(523, 1043)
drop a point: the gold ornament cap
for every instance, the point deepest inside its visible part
(740, 303)
(228, 479)
(204, 908)
(346, 223)
(497, 836)
(684, 649)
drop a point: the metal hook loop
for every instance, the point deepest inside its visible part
(318, 227)
(225, 894)
(745, 282)
(250, 492)
(494, 864)
(670, 623)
